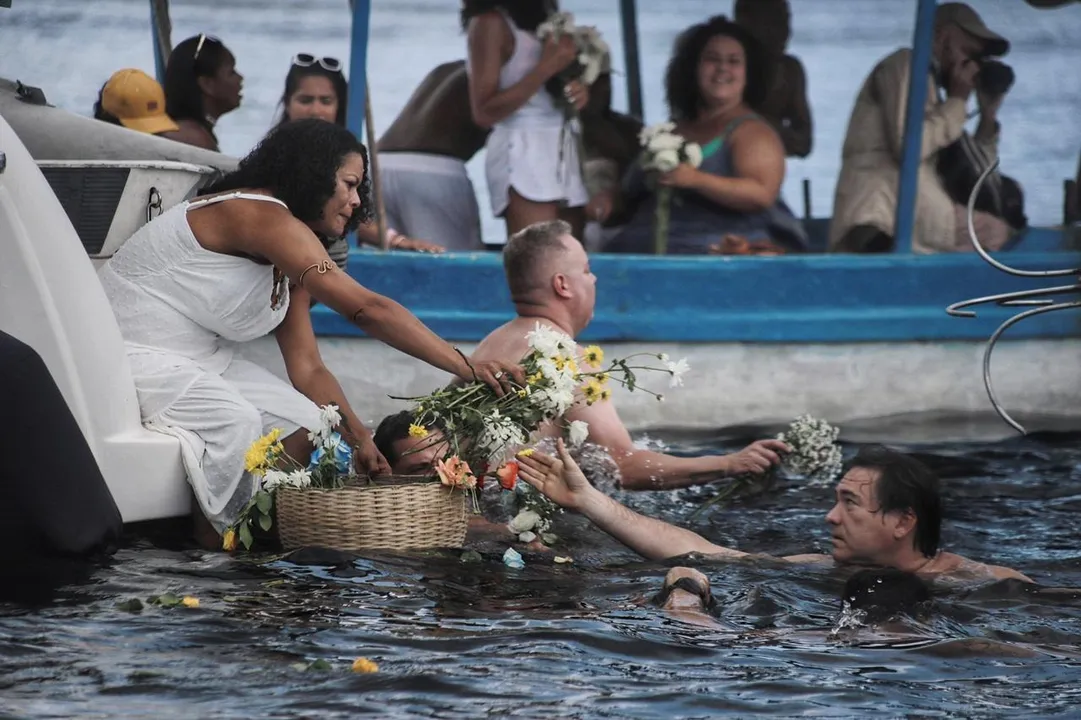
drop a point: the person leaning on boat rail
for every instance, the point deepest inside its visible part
(240, 263)
(134, 100)
(315, 87)
(888, 513)
(532, 163)
(865, 199)
(201, 85)
(716, 75)
(551, 284)
(422, 155)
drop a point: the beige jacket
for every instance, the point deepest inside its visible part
(871, 159)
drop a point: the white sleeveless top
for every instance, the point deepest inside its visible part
(540, 110)
(172, 295)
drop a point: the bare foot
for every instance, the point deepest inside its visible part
(204, 533)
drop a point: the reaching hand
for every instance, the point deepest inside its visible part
(496, 374)
(414, 245)
(757, 458)
(577, 94)
(368, 460)
(560, 479)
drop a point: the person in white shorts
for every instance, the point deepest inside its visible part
(532, 163)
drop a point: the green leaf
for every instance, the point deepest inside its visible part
(164, 600)
(264, 502)
(320, 665)
(265, 522)
(133, 605)
(245, 535)
(471, 556)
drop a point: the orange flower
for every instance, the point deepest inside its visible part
(508, 474)
(455, 472)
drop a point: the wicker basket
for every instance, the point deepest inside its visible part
(393, 513)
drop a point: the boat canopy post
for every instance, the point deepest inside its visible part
(904, 224)
(162, 29)
(629, 16)
(358, 65)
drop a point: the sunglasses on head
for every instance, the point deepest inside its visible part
(330, 64)
(203, 37)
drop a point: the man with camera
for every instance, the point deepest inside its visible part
(866, 195)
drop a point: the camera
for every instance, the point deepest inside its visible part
(995, 78)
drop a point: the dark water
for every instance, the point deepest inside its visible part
(456, 640)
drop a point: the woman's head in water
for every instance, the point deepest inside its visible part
(883, 593)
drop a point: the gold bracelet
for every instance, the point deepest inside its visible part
(322, 267)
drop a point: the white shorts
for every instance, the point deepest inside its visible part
(430, 197)
(540, 163)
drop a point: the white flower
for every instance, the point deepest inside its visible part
(578, 432)
(677, 369)
(647, 133)
(548, 342)
(523, 521)
(299, 479)
(273, 479)
(664, 141)
(693, 153)
(666, 160)
(329, 416)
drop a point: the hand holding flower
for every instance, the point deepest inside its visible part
(683, 176)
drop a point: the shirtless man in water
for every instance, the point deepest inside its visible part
(888, 513)
(422, 158)
(550, 283)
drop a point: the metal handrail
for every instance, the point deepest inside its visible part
(1036, 296)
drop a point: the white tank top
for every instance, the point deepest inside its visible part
(170, 294)
(540, 110)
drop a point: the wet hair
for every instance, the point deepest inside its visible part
(526, 14)
(101, 113)
(681, 78)
(183, 96)
(298, 162)
(292, 82)
(882, 593)
(392, 429)
(525, 249)
(905, 484)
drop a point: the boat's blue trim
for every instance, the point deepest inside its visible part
(358, 65)
(913, 138)
(799, 298)
(159, 61)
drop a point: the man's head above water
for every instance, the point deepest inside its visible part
(406, 454)
(888, 510)
(548, 275)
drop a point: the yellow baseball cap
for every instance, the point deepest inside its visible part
(137, 101)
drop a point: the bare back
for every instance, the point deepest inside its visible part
(437, 118)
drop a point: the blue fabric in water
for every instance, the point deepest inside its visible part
(55, 501)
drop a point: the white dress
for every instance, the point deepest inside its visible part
(182, 309)
(533, 150)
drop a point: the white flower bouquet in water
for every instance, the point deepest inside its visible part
(663, 150)
(815, 456)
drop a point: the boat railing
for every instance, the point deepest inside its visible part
(1039, 300)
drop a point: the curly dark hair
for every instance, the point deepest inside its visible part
(297, 162)
(681, 78)
(297, 73)
(526, 14)
(183, 96)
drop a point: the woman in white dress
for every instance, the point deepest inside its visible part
(532, 163)
(240, 263)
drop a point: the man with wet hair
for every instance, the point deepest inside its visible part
(888, 513)
(551, 284)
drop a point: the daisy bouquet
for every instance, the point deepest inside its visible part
(663, 150)
(593, 52)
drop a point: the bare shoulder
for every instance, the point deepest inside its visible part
(506, 342)
(757, 133)
(193, 133)
(961, 567)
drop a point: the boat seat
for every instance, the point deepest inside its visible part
(108, 200)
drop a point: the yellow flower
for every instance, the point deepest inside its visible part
(592, 391)
(593, 356)
(364, 665)
(523, 393)
(190, 602)
(606, 394)
(273, 436)
(228, 540)
(525, 452)
(263, 452)
(602, 378)
(417, 431)
(535, 378)
(562, 362)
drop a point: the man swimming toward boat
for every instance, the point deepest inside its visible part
(551, 284)
(888, 513)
